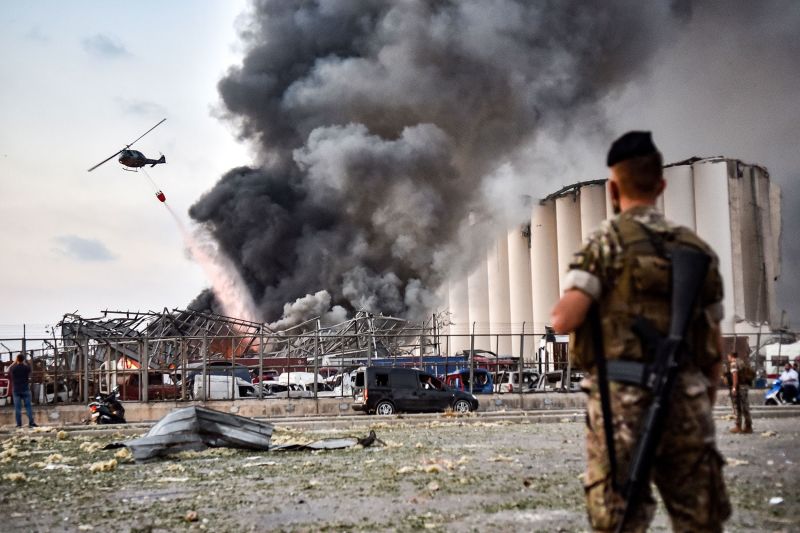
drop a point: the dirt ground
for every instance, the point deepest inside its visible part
(438, 474)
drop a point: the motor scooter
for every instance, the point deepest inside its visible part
(107, 409)
(776, 395)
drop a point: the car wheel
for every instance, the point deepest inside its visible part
(384, 408)
(771, 401)
(462, 406)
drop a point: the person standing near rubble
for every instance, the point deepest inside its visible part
(622, 273)
(20, 376)
(740, 378)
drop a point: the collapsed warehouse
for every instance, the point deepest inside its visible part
(94, 355)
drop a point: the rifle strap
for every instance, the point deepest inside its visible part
(605, 395)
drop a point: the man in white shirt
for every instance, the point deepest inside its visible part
(789, 382)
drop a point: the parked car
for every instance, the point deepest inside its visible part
(508, 381)
(554, 381)
(385, 391)
(459, 380)
(222, 387)
(229, 380)
(277, 389)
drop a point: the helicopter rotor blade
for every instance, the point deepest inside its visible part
(105, 160)
(145, 133)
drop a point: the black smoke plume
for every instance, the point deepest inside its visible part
(377, 123)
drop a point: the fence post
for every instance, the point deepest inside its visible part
(316, 365)
(86, 371)
(341, 364)
(183, 368)
(496, 386)
(521, 364)
(568, 378)
(369, 349)
(145, 381)
(471, 358)
(261, 362)
(55, 367)
(234, 384)
(204, 396)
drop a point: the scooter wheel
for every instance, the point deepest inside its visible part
(771, 401)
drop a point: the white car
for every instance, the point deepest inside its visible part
(276, 389)
(508, 381)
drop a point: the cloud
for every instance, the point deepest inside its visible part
(141, 107)
(105, 46)
(83, 249)
(36, 34)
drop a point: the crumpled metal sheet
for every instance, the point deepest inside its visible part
(331, 444)
(197, 428)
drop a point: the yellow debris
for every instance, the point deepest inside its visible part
(90, 447)
(15, 476)
(54, 458)
(123, 454)
(103, 466)
(433, 469)
(9, 453)
(62, 435)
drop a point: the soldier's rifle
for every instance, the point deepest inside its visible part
(689, 269)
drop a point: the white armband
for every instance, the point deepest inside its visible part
(583, 281)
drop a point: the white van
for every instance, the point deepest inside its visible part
(508, 381)
(222, 388)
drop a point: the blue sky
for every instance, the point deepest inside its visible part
(81, 80)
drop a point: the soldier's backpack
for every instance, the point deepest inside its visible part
(746, 371)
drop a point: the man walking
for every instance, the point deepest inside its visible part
(739, 381)
(20, 376)
(624, 270)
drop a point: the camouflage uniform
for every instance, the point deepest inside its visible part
(619, 268)
(740, 400)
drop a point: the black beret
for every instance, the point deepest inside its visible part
(632, 144)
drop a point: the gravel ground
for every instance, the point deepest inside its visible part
(439, 474)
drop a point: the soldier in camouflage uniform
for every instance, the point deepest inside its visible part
(623, 268)
(740, 390)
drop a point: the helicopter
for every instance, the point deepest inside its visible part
(134, 158)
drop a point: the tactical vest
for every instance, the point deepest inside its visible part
(639, 285)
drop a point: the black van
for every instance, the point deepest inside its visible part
(386, 390)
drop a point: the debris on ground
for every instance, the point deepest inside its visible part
(736, 462)
(197, 428)
(91, 447)
(103, 466)
(124, 454)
